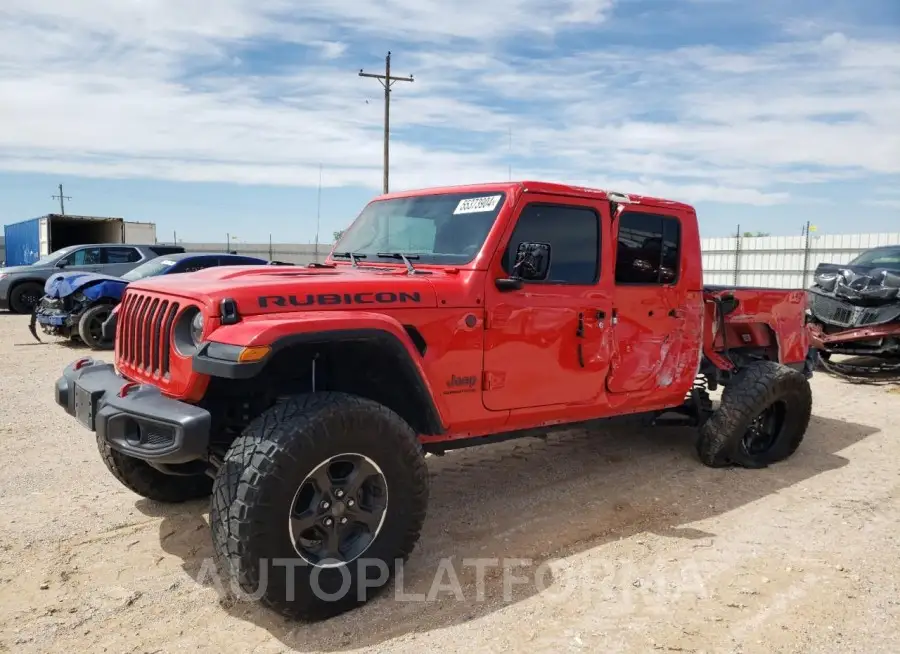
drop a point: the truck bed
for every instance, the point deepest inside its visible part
(758, 315)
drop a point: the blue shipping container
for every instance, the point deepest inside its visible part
(23, 242)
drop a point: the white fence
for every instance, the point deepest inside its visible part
(781, 261)
(774, 261)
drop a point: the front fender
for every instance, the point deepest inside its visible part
(268, 329)
(219, 355)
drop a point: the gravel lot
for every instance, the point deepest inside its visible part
(627, 543)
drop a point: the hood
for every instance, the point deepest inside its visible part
(857, 284)
(65, 284)
(259, 289)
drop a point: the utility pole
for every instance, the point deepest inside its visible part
(805, 253)
(386, 81)
(61, 197)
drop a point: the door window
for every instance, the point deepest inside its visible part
(193, 265)
(648, 249)
(574, 237)
(122, 255)
(84, 257)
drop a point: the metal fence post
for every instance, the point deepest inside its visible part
(806, 256)
(737, 255)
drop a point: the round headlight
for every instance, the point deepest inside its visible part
(197, 329)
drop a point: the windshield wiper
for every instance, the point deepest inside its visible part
(404, 257)
(353, 256)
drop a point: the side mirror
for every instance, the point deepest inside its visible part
(61, 264)
(532, 265)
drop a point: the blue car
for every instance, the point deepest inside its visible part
(76, 304)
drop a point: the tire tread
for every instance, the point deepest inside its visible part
(270, 442)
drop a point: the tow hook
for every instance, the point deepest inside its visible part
(32, 325)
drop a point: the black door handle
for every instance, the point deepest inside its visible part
(601, 315)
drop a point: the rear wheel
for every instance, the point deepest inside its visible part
(25, 297)
(316, 501)
(90, 327)
(761, 420)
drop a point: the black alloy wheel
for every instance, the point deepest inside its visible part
(338, 510)
(765, 429)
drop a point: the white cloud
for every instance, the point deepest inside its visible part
(110, 88)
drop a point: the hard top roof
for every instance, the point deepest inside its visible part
(547, 188)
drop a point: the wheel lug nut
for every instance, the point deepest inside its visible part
(338, 493)
(343, 521)
(350, 502)
(328, 522)
(325, 505)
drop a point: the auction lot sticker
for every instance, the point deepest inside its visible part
(477, 205)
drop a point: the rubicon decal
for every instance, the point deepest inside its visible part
(327, 299)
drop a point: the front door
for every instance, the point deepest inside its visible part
(544, 342)
(649, 306)
(87, 259)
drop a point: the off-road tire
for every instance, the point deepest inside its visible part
(263, 469)
(84, 323)
(17, 303)
(139, 477)
(754, 389)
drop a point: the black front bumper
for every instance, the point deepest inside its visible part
(143, 424)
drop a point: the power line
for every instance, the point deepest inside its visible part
(386, 81)
(61, 197)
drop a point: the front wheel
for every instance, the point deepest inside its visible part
(25, 297)
(90, 327)
(316, 502)
(761, 420)
(141, 478)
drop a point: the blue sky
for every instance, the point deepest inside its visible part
(213, 118)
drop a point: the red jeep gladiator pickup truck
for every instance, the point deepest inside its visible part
(304, 400)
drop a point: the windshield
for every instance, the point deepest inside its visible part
(445, 228)
(53, 256)
(884, 258)
(150, 269)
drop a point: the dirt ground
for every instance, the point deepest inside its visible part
(616, 540)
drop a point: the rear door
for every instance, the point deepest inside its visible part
(649, 327)
(119, 259)
(138, 233)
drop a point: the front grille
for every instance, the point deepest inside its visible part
(843, 314)
(144, 333)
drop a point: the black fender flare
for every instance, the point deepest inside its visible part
(221, 360)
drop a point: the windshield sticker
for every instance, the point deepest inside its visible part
(477, 205)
